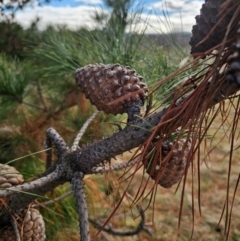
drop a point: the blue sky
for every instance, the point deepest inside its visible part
(78, 13)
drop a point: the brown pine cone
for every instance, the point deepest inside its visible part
(102, 84)
(207, 19)
(171, 171)
(30, 225)
(7, 234)
(30, 222)
(233, 73)
(9, 176)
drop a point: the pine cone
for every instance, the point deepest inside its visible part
(207, 19)
(171, 171)
(9, 176)
(102, 84)
(30, 222)
(30, 225)
(7, 234)
(233, 73)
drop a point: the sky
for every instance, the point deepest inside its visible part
(79, 13)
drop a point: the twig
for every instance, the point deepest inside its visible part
(82, 131)
(15, 228)
(39, 90)
(53, 136)
(115, 232)
(53, 200)
(33, 105)
(103, 235)
(33, 185)
(48, 151)
(78, 188)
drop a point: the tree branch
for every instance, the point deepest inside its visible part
(19, 197)
(16, 231)
(78, 188)
(115, 232)
(82, 131)
(52, 201)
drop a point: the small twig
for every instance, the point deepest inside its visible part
(39, 90)
(48, 151)
(52, 137)
(53, 200)
(78, 188)
(15, 228)
(57, 140)
(33, 185)
(115, 232)
(82, 131)
(115, 167)
(33, 105)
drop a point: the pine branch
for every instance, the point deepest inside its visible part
(52, 137)
(16, 231)
(109, 229)
(82, 131)
(41, 120)
(52, 201)
(36, 184)
(41, 98)
(78, 188)
(32, 105)
(20, 196)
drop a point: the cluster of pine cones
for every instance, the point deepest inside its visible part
(29, 222)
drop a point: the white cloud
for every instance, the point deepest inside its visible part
(81, 16)
(192, 7)
(90, 2)
(156, 24)
(73, 17)
(181, 14)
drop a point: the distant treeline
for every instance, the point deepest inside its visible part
(16, 41)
